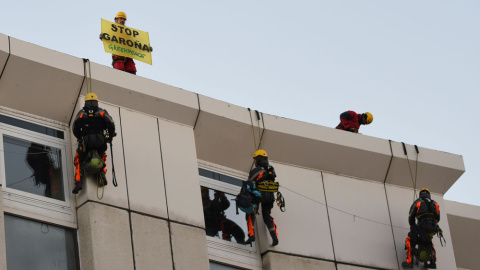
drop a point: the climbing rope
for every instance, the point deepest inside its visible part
(258, 125)
(100, 178)
(89, 77)
(416, 171)
(414, 181)
(253, 130)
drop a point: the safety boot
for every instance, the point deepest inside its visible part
(273, 234)
(432, 265)
(250, 240)
(77, 188)
(78, 185)
(407, 265)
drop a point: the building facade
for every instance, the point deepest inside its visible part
(347, 195)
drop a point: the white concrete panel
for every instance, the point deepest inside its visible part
(189, 247)
(462, 210)
(464, 221)
(400, 200)
(326, 149)
(305, 215)
(144, 95)
(104, 238)
(434, 169)
(360, 222)
(3, 254)
(112, 195)
(228, 127)
(351, 267)
(4, 50)
(146, 190)
(36, 74)
(151, 240)
(275, 261)
(181, 173)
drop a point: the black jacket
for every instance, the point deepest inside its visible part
(93, 121)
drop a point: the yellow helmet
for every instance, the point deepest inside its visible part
(121, 14)
(91, 96)
(424, 189)
(260, 152)
(369, 118)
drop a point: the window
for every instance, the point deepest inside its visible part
(217, 266)
(33, 168)
(33, 171)
(224, 228)
(221, 220)
(35, 245)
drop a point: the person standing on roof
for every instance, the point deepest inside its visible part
(89, 128)
(351, 121)
(121, 62)
(264, 172)
(427, 212)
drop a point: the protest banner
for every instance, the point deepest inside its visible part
(126, 41)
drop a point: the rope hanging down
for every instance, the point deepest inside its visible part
(89, 77)
(414, 181)
(253, 130)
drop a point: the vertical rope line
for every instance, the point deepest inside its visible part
(263, 131)
(416, 171)
(409, 168)
(253, 129)
(388, 204)
(90, 75)
(199, 110)
(8, 57)
(329, 222)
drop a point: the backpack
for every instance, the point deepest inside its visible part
(244, 199)
(93, 163)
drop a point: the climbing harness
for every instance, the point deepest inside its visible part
(268, 186)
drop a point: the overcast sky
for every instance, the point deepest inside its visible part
(414, 64)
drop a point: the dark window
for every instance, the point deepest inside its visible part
(218, 266)
(36, 245)
(32, 127)
(220, 177)
(220, 216)
(33, 168)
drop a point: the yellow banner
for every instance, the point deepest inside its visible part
(126, 41)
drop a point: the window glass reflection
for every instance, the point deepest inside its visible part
(217, 266)
(33, 168)
(35, 245)
(220, 216)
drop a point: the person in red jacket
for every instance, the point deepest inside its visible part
(121, 62)
(427, 213)
(351, 121)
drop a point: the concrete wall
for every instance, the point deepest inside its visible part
(347, 194)
(464, 223)
(157, 174)
(3, 255)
